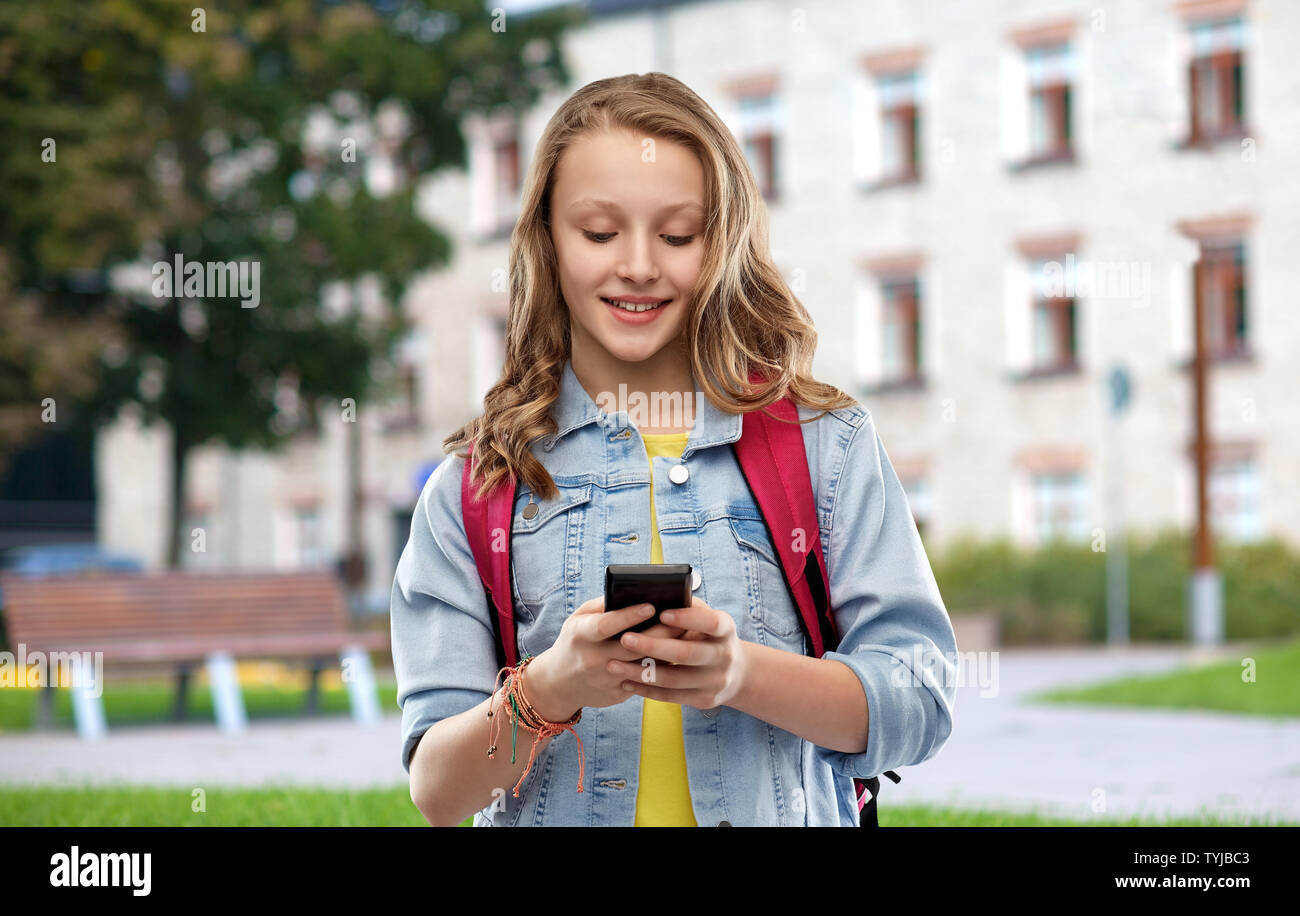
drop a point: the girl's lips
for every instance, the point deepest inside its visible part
(645, 317)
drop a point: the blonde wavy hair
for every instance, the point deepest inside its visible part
(741, 314)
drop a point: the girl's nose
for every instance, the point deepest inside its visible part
(638, 265)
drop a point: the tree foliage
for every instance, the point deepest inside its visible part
(293, 135)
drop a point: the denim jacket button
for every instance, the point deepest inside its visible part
(678, 473)
(695, 579)
(724, 823)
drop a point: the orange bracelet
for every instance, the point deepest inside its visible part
(513, 694)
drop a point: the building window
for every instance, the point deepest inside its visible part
(408, 360)
(1216, 97)
(758, 132)
(1049, 101)
(505, 174)
(496, 173)
(1044, 327)
(887, 97)
(1059, 505)
(1054, 336)
(902, 330)
(888, 323)
(919, 500)
(1234, 500)
(407, 382)
(1039, 94)
(308, 536)
(1220, 278)
(900, 126)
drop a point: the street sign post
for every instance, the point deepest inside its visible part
(1120, 393)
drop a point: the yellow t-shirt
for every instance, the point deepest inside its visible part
(663, 797)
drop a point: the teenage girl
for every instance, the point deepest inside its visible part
(640, 277)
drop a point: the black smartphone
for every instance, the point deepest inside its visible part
(665, 585)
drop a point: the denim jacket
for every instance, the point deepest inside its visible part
(895, 634)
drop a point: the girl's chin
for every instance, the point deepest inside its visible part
(634, 351)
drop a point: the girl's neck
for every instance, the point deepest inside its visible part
(663, 379)
(650, 377)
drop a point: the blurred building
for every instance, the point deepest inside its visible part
(986, 206)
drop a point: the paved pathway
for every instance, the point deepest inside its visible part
(1003, 752)
(331, 751)
(1007, 753)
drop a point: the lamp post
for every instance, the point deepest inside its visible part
(1205, 589)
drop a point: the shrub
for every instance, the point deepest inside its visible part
(1057, 593)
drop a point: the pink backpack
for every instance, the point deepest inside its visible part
(772, 457)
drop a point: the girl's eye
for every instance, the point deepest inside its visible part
(675, 240)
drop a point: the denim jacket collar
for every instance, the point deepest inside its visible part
(575, 409)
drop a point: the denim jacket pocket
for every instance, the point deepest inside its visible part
(540, 546)
(545, 552)
(771, 606)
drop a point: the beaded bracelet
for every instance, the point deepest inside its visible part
(523, 713)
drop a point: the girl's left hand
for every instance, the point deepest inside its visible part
(704, 667)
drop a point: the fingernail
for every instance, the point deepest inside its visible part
(667, 617)
(647, 609)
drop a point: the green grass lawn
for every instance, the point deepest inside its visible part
(118, 806)
(135, 703)
(1275, 690)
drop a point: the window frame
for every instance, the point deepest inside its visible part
(758, 116)
(1217, 75)
(1227, 485)
(1045, 63)
(1220, 273)
(506, 179)
(1057, 93)
(900, 294)
(1063, 312)
(1068, 488)
(904, 112)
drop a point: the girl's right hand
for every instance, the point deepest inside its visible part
(575, 668)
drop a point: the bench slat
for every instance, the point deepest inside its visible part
(182, 650)
(182, 616)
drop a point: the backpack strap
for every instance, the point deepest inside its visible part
(772, 457)
(486, 520)
(867, 812)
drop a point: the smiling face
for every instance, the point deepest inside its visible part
(624, 227)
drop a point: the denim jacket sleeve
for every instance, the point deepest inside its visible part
(444, 654)
(894, 629)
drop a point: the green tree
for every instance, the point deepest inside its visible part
(292, 136)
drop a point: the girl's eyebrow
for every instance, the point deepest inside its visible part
(601, 204)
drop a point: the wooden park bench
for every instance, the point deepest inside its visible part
(184, 619)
